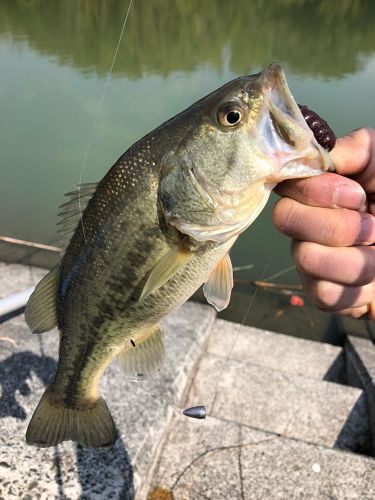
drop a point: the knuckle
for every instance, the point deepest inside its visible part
(304, 187)
(365, 138)
(363, 135)
(284, 215)
(309, 191)
(327, 294)
(306, 258)
(343, 230)
(362, 265)
(366, 135)
(324, 294)
(337, 233)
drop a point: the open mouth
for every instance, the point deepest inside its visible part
(287, 138)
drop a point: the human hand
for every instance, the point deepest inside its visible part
(331, 219)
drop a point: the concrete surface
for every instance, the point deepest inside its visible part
(310, 410)
(277, 351)
(222, 460)
(360, 355)
(270, 430)
(141, 411)
(16, 277)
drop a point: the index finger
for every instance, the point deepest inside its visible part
(354, 156)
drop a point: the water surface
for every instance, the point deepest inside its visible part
(55, 57)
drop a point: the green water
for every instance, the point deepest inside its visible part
(55, 57)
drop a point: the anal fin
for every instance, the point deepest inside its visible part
(218, 287)
(40, 313)
(144, 354)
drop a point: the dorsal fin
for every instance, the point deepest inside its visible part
(70, 211)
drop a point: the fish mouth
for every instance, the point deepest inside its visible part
(287, 139)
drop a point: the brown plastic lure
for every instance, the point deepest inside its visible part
(319, 127)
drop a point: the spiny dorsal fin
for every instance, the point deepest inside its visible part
(144, 354)
(218, 287)
(40, 313)
(70, 211)
(172, 262)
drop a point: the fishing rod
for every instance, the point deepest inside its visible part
(31, 244)
(239, 281)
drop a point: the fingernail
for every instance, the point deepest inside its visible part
(367, 231)
(349, 196)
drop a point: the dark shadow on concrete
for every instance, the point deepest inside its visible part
(10, 315)
(99, 471)
(332, 333)
(14, 374)
(58, 475)
(336, 372)
(105, 473)
(355, 434)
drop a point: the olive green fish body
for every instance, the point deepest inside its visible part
(158, 225)
(111, 254)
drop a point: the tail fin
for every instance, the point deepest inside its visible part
(51, 425)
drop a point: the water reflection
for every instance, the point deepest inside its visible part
(319, 37)
(54, 57)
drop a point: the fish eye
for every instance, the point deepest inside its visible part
(230, 115)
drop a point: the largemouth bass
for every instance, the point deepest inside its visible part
(151, 232)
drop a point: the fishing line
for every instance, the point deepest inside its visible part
(97, 115)
(200, 412)
(251, 301)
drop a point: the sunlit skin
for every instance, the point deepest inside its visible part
(331, 219)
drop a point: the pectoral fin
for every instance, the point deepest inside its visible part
(218, 288)
(172, 262)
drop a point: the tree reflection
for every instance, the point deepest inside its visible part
(318, 37)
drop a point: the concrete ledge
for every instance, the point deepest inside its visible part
(360, 355)
(16, 277)
(141, 411)
(310, 410)
(222, 460)
(271, 382)
(277, 351)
